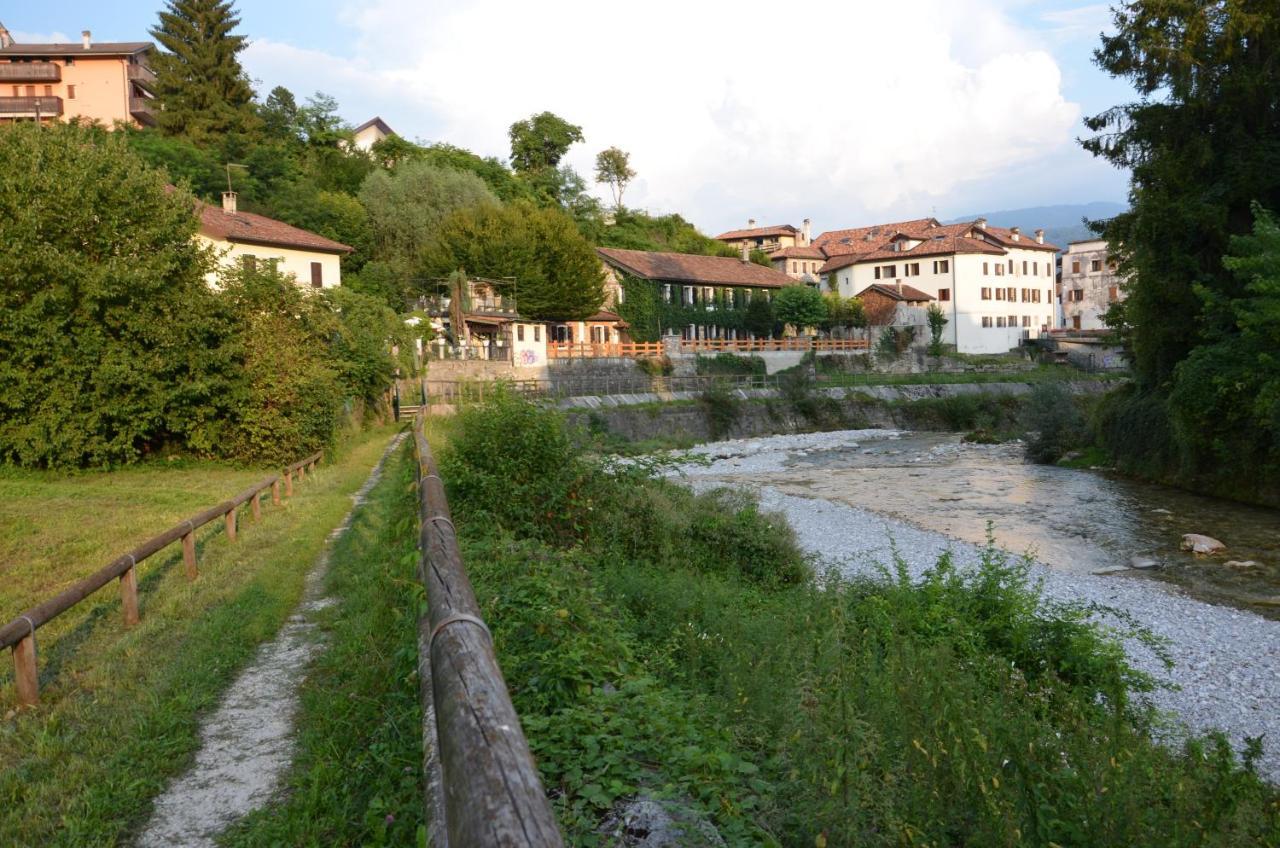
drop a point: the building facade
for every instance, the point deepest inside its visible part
(372, 131)
(996, 285)
(1087, 284)
(105, 82)
(245, 239)
(768, 239)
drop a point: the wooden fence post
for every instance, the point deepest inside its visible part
(302, 473)
(288, 484)
(275, 491)
(24, 670)
(189, 555)
(257, 506)
(231, 524)
(129, 595)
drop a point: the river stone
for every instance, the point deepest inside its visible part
(647, 822)
(1111, 569)
(1143, 561)
(1201, 544)
(1242, 563)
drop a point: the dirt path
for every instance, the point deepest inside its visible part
(247, 744)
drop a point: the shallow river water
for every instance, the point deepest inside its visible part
(1071, 520)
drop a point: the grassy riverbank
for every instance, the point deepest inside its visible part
(120, 710)
(679, 646)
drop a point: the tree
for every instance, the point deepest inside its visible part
(280, 117)
(557, 275)
(320, 122)
(613, 166)
(760, 319)
(843, 313)
(407, 206)
(204, 92)
(1202, 142)
(759, 257)
(539, 143)
(937, 323)
(392, 150)
(799, 305)
(111, 343)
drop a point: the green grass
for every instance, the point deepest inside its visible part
(1039, 374)
(120, 710)
(356, 777)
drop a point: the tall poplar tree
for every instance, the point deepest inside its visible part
(204, 92)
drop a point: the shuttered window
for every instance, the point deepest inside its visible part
(317, 275)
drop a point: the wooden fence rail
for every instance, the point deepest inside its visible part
(20, 633)
(792, 343)
(482, 787)
(577, 350)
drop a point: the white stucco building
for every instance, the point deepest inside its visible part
(995, 285)
(243, 238)
(1087, 284)
(370, 133)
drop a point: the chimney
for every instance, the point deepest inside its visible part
(1039, 236)
(806, 231)
(6, 40)
(981, 223)
(746, 252)
(86, 38)
(751, 222)
(229, 202)
(1015, 233)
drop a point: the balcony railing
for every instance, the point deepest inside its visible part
(141, 110)
(30, 72)
(30, 107)
(142, 75)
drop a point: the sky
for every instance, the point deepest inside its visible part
(847, 113)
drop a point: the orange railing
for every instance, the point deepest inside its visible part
(569, 350)
(803, 343)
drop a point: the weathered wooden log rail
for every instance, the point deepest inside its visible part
(482, 786)
(20, 633)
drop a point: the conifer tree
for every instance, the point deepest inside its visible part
(203, 90)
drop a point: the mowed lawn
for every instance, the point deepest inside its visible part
(120, 709)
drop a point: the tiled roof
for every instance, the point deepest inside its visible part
(1026, 241)
(105, 48)
(688, 268)
(779, 230)
(249, 228)
(604, 316)
(374, 122)
(809, 252)
(907, 293)
(864, 239)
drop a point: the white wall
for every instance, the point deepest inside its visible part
(1095, 285)
(290, 261)
(529, 352)
(965, 281)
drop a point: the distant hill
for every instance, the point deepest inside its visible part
(1061, 223)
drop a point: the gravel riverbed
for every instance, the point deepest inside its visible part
(1226, 672)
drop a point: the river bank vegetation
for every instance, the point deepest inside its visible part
(680, 646)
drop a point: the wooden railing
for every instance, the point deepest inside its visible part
(20, 633)
(482, 787)
(800, 343)
(569, 350)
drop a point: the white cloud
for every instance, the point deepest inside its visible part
(58, 37)
(848, 110)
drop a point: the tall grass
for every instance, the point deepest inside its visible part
(681, 645)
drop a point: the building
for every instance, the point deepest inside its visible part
(372, 131)
(482, 324)
(886, 305)
(243, 238)
(994, 283)
(106, 82)
(768, 239)
(1087, 284)
(692, 287)
(799, 263)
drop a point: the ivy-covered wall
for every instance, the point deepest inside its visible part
(649, 316)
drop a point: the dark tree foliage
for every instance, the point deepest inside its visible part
(199, 82)
(111, 344)
(636, 230)
(280, 115)
(1202, 142)
(539, 143)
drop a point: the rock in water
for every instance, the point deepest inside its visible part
(1242, 563)
(1197, 543)
(1143, 561)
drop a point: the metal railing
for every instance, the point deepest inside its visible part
(482, 786)
(20, 633)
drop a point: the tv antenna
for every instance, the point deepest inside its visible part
(231, 165)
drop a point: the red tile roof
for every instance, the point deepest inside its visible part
(248, 228)
(604, 316)
(865, 239)
(1026, 241)
(688, 268)
(809, 252)
(897, 292)
(778, 230)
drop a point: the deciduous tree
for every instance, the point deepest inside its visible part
(540, 142)
(613, 167)
(799, 305)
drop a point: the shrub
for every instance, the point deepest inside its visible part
(937, 323)
(1054, 423)
(721, 408)
(729, 363)
(893, 342)
(656, 366)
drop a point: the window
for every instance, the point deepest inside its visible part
(1048, 295)
(1010, 266)
(999, 320)
(519, 332)
(877, 272)
(986, 320)
(942, 266)
(890, 271)
(1035, 269)
(31, 91)
(944, 294)
(1095, 266)
(1077, 295)
(1035, 295)
(1024, 267)
(985, 269)
(1075, 267)
(317, 275)
(795, 266)
(1013, 320)
(71, 92)
(999, 270)
(48, 91)
(1026, 320)
(69, 62)
(986, 294)
(1113, 294)
(1013, 294)
(537, 332)
(911, 269)
(666, 293)
(249, 263)
(1000, 294)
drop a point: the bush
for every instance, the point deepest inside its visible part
(729, 363)
(1054, 422)
(656, 366)
(893, 342)
(722, 409)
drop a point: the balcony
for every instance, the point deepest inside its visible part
(141, 108)
(30, 72)
(30, 108)
(142, 75)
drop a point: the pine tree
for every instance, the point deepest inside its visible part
(204, 92)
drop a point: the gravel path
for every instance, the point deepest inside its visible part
(1226, 661)
(247, 744)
